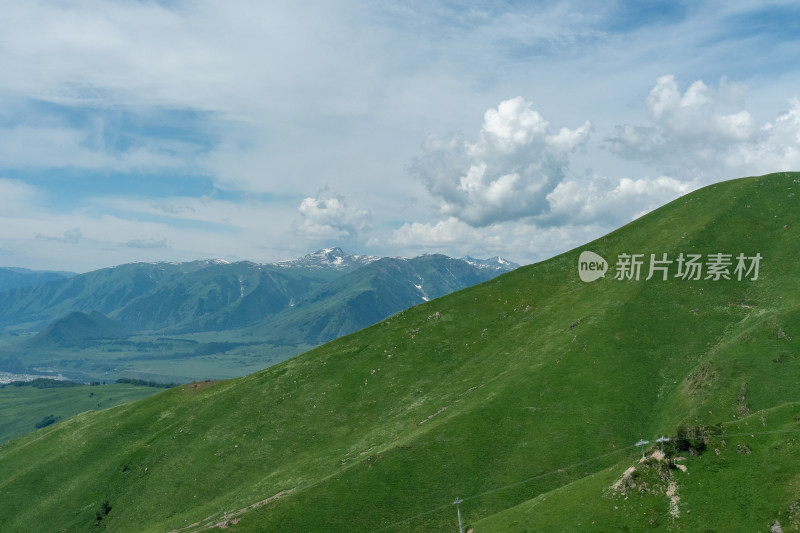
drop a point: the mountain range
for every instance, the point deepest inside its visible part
(12, 278)
(197, 309)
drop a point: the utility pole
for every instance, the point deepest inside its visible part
(662, 439)
(642, 443)
(458, 510)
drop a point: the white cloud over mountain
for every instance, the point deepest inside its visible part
(514, 184)
(516, 175)
(600, 199)
(507, 173)
(689, 137)
(328, 216)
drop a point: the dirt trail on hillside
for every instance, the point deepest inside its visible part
(228, 519)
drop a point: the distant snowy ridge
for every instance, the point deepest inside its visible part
(329, 258)
(496, 262)
(336, 259)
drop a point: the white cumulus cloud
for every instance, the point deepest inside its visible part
(513, 186)
(524, 239)
(507, 174)
(328, 216)
(612, 201)
(689, 138)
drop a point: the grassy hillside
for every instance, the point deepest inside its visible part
(78, 330)
(523, 396)
(367, 295)
(746, 480)
(32, 308)
(26, 408)
(194, 296)
(173, 359)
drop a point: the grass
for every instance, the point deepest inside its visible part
(183, 358)
(722, 489)
(23, 407)
(525, 392)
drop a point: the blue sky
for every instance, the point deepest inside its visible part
(172, 131)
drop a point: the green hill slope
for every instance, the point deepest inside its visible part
(13, 278)
(163, 296)
(365, 296)
(213, 295)
(26, 407)
(523, 396)
(77, 330)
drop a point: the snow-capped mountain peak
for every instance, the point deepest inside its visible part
(334, 258)
(496, 262)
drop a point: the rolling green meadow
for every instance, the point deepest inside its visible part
(27, 407)
(524, 396)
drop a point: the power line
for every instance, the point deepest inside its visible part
(497, 489)
(753, 433)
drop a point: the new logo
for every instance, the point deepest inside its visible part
(591, 266)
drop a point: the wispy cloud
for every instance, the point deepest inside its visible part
(147, 243)
(16, 197)
(71, 236)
